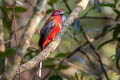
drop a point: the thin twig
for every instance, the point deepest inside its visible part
(12, 25)
(97, 17)
(14, 21)
(74, 37)
(84, 69)
(28, 1)
(2, 46)
(85, 43)
(84, 53)
(96, 53)
(8, 41)
(68, 7)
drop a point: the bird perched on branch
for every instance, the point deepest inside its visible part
(51, 28)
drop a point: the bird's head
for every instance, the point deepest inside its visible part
(57, 12)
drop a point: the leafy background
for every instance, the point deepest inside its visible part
(100, 17)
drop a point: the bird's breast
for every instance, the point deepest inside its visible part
(55, 31)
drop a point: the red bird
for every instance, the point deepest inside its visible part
(51, 28)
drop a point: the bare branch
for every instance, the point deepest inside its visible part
(13, 27)
(82, 68)
(2, 46)
(96, 17)
(96, 53)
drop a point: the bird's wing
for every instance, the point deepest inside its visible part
(46, 31)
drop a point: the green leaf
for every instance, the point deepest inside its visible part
(55, 77)
(105, 43)
(62, 67)
(50, 10)
(6, 22)
(8, 52)
(20, 9)
(5, 18)
(17, 9)
(81, 76)
(2, 2)
(51, 2)
(62, 55)
(7, 9)
(49, 60)
(106, 5)
(117, 12)
(115, 1)
(91, 78)
(106, 28)
(49, 65)
(116, 33)
(76, 76)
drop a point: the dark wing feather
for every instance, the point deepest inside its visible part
(46, 31)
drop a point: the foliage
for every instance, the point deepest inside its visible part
(8, 52)
(6, 12)
(55, 77)
(92, 18)
(116, 30)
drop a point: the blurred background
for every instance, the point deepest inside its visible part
(74, 58)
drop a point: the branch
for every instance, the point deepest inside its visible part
(53, 45)
(68, 7)
(82, 68)
(29, 31)
(13, 27)
(43, 55)
(96, 53)
(97, 17)
(2, 46)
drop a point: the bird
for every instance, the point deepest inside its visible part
(51, 28)
(48, 32)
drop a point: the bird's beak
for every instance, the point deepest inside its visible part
(61, 13)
